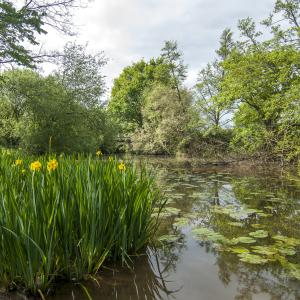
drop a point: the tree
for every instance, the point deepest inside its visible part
(248, 30)
(208, 91)
(284, 22)
(165, 125)
(21, 26)
(226, 44)
(38, 109)
(261, 82)
(212, 108)
(128, 91)
(81, 74)
(173, 58)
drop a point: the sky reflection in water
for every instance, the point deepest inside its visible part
(192, 269)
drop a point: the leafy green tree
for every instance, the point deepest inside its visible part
(248, 31)
(227, 44)
(166, 121)
(40, 109)
(212, 108)
(20, 26)
(260, 83)
(208, 89)
(173, 58)
(128, 91)
(81, 74)
(285, 12)
(15, 91)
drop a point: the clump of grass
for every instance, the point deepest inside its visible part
(61, 218)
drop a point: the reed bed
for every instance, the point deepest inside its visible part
(61, 218)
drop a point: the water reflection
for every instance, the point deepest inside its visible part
(194, 269)
(268, 190)
(146, 279)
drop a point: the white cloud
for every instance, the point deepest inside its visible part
(128, 30)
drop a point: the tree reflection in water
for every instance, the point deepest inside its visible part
(207, 273)
(145, 279)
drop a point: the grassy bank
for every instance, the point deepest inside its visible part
(61, 218)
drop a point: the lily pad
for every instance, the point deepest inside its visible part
(236, 224)
(243, 240)
(264, 215)
(287, 240)
(244, 213)
(208, 235)
(223, 210)
(167, 212)
(252, 259)
(181, 222)
(290, 251)
(239, 250)
(257, 225)
(168, 238)
(264, 250)
(260, 234)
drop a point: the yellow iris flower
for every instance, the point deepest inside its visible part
(18, 162)
(35, 166)
(98, 153)
(52, 165)
(122, 166)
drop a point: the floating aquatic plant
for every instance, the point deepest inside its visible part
(258, 225)
(236, 224)
(238, 250)
(287, 240)
(208, 235)
(181, 222)
(243, 240)
(169, 238)
(264, 250)
(252, 258)
(259, 234)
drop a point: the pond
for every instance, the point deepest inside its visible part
(228, 232)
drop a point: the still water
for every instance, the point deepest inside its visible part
(243, 210)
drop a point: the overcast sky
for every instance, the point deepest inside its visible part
(128, 30)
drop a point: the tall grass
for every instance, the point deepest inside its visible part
(64, 223)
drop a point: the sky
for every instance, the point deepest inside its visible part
(129, 30)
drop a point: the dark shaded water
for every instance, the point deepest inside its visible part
(194, 267)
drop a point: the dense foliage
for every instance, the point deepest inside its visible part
(22, 23)
(245, 103)
(62, 217)
(61, 111)
(127, 94)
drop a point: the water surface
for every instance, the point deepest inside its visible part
(192, 267)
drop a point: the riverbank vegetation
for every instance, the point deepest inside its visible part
(244, 104)
(62, 217)
(62, 214)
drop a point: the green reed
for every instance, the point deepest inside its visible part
(63, 223)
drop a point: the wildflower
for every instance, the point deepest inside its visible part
(98, 153)
(52, 165)
(110, 159)
(35, 166)
(18, 162)
(121, 166)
